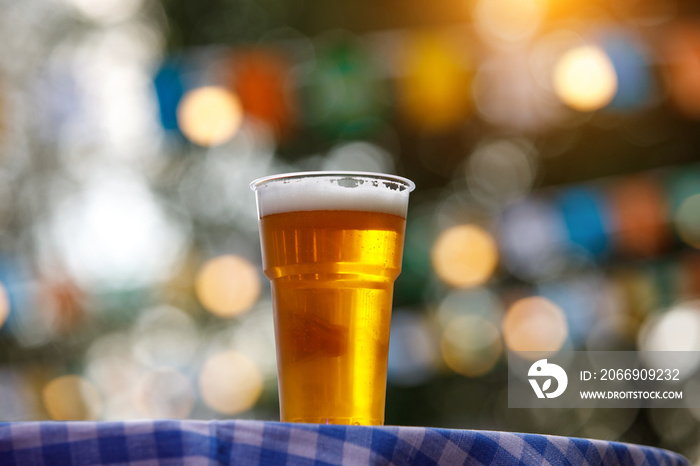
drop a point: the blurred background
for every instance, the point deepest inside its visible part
(554, 145)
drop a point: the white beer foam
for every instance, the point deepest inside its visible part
(331, 192)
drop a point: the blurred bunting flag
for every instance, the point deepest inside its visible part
(682, 50)
(344, 95)
(263, 82)
(585, 219)
(640, 216)
(434, 93)
(631, 62)
(169, 91)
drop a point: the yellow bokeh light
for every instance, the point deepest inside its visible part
(508, 20)
(4, 305)
(230, 383)
(71, 398)
(464, 256)
(209, 116)
(584, 78)
(535, 324)
(227, 285)
(687, 221)
(471, 345)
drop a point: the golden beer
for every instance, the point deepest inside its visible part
(332, 274)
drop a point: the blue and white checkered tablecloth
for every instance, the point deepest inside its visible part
(166, 442)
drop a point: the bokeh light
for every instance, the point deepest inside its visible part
(507, 93)
(613, 333)
(112, 233)
(579, 300)
(71, 397)
(227, 285)
(465, 256)
(676, 330)
(502, 170)
(214, 188)
(112, 113)
(254, 337)
(110, 366)
(508, 20)
(209, 116)
(471, 345)
(480, 301)
(230, 383)
(4, 304)
(359, 156)
(107, 11)
(413, 349)
(535, 324)
(533, 238)
(165, 394)
(584, 78)
(687, 221)
(546, 52)
(164, 336)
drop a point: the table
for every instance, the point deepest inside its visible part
(189, 442)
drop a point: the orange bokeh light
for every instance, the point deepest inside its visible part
(465, 256)
(471, 345)
(227, 285)
(230, 383)
(535, 324)
(71, 398)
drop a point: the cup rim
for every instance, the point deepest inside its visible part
(410, 185)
